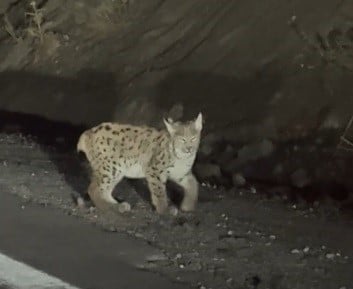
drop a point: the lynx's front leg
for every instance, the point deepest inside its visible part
(157, 187)
(191, 192)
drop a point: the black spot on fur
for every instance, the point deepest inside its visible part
(107, 127)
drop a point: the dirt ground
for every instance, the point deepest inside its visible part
(235, 239)
(273, 81)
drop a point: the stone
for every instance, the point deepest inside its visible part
(238, 180)
(156, 257)
(207, 170)
(176, 112)
(195, 266)
(255, 151)
(300, 178)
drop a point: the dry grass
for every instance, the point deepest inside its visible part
(10, 29)
(36, 20)
(332, 48)
(345, 143)
(107, 16)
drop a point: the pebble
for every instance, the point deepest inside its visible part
(138, 235)
(295, 251)
(252, 190)
(330, 256)
(306, 249)
(156, 257)
(181, 266)
(195, 266)
(178, 256)
(229, 281)
(239, 180)
(272, 237)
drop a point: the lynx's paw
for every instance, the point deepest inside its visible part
(162, 207)
(173, 211)
(124, 207)
(188, 206)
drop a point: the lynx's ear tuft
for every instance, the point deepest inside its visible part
(198, 122)
(169, 125)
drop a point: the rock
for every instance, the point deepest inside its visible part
(295, 251)
(195, 266)
(238, 180)
(205, 149)
(208, 170)
(306, 250)
(207, 144)
(176, 112)
(330, 256)
(248, 153)
(230, 282)
(277, 170)
(255, 151)
(157, 257)
(300, 178)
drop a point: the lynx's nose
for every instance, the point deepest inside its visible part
(188, 149)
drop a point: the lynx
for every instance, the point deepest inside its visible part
(115, 151)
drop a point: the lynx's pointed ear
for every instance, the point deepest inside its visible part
(198, 122)
(169, 125)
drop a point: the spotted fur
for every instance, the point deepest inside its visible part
(115, 151)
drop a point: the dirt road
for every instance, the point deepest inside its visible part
(236, 239)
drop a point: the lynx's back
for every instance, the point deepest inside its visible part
(120, 148)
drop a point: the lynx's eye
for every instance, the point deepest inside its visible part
(183, 140)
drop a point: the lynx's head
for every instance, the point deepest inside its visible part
(185, 136)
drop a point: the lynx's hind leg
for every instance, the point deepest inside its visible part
(100, 191)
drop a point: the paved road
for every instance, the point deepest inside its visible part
(43, 247)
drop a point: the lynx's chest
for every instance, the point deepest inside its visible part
(181, 167)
